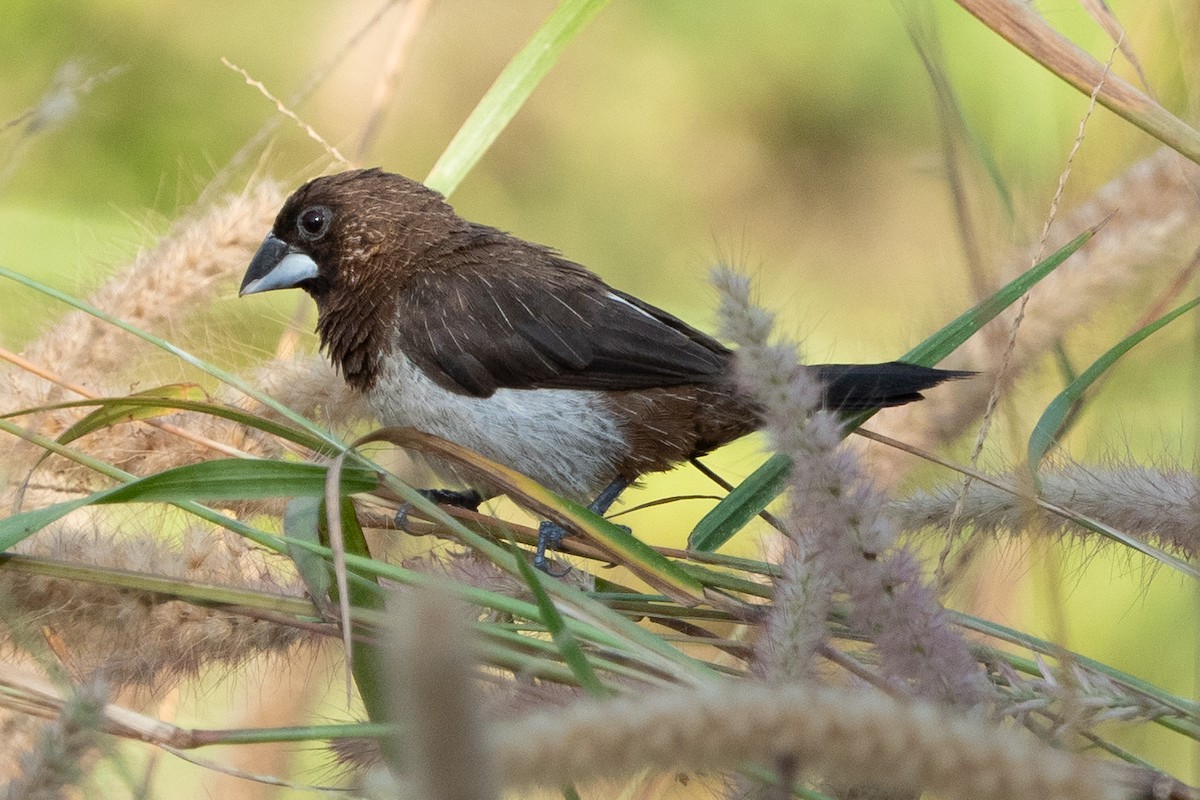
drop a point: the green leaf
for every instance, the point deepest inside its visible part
(568, 646)
(141, 406)
(741, 505)
(145, 406)
(967, 324)
(510, 91)
(302, 523)
(220, 479)
(1053, 420)
(755, 493)
(120, 410)
(367, 663)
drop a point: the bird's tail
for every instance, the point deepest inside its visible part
(860, 387)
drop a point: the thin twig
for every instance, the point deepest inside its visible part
(955, 525)
(287, 112)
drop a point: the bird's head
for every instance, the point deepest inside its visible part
(343, 234)
(351, 241)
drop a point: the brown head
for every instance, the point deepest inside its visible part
(350, 240)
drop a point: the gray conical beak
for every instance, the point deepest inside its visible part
(277, 265)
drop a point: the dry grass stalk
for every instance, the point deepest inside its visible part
(852, 736)
(1153, 229)
(1156, 504)
(1023, 27)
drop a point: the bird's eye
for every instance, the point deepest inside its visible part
(314, 222)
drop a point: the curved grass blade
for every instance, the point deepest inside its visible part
(568, 646)
(367, 663)
(752, 495)
(144, 407)
(220, 479)
(510, 91)
(301, 523)
(1050, 426)
(1029, 32)
(222, 375)
(117, 412)
(626, 549)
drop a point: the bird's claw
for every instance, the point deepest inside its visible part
(550, 536)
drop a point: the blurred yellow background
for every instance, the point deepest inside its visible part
(798, 141)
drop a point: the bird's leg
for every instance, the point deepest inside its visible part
(550, 534)
(465, 498)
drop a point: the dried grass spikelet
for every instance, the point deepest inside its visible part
(1152, 230)
(143, 639)
(849, 736)
(161, 288)
(191, 265)
(441, 755)
(58, 760)
(840, 537)
(20, 733)
(311, 386)
(1155, 504)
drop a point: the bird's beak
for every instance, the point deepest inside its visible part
(277, 265)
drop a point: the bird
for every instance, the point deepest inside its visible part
(505, 347)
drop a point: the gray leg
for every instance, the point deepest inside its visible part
(550, 535)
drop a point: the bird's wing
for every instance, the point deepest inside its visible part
(526, 319)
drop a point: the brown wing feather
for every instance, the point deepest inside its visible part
(498, 316)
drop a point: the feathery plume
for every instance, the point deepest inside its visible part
(840, 537)
(442, 756)
(59, 759)
(851, 735)
(1155, 504)
(143, 639)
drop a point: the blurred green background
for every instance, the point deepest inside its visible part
(798, 141)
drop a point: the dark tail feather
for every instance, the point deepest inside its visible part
(860, 387)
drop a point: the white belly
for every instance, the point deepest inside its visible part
(562, 438)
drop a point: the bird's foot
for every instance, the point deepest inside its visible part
(550, 536)
(468, 499)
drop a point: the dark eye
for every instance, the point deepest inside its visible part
(314, 222)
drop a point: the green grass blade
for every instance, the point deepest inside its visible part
(367, 663)
(301, 523)
(220, 479)
(741, 505)
(114, 410)
(967, 324)
(1053, 420)
(752, 495)
(117, 412)
(222, 375)
(568, 646)
(510, 91)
